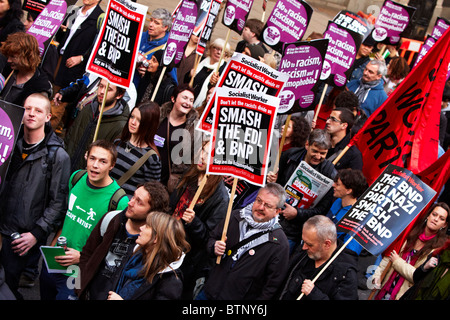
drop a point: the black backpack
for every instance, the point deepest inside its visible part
(116, 197)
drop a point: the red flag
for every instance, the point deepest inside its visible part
(435, 176)
(404, 130)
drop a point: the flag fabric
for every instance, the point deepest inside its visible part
(404, 130)
(435, 176)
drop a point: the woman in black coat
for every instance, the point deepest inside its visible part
(209, 210)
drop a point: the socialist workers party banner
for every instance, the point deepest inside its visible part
(341, 54)
(241, 136)
(404, 130)
(48, 22)
(392, 22)
(352, 21)
(302, 61)
(244, 72)
(206, 32)
(306, 187)
(114, 54)
(236, 13)
(287, 23)
(10, 120)
(386, 208)
(179, 35)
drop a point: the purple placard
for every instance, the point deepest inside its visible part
(180, 33)
(302, 61)
(236, 13)
(440, 27)
(426, 46)
(10, 121)
(341, 54)
(287, 23)
(391, 22)
(48, 22)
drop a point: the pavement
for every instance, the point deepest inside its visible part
(319, 21)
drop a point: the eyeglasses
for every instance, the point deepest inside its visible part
(266, 206)
(334, 119)
(216, 48)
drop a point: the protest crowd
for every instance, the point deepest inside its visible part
(113, 192)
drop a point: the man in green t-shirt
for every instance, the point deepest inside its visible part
(88, 201)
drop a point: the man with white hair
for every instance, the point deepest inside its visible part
(154, 39)
(369, 89)
(337, 282)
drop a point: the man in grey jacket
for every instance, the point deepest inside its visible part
(34, 193)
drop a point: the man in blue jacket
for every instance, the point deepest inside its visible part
(369, 89)
(153, 40)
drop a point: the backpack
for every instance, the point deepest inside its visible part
(116, 197)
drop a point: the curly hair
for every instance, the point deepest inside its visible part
(300, 131)
(25, 47)
(398, 68)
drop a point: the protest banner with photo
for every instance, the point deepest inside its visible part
(10, 121)
(306, 187)
(386, 208)
(241, 134)
(206, 32)
(179, 35)
(244, 72)
(236, 13)
(354, 22)
(47, 23)
(302, 61)
(114, 54)
(392, 21)
(341, 54)
(287, 23)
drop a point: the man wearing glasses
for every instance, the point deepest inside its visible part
(255, 254)
(338, 125)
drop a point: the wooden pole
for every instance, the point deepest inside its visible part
(325, 88)
(197, 61)
(335, 161)
(383, 275)
(283, 137)
(227, 218)
(329, 262)
(101, 112)
(155, 90)
(198, 192)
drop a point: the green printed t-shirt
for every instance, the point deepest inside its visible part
(86, 207)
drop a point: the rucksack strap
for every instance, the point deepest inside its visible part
(107, 219)
(115, 199)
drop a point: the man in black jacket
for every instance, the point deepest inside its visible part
(338, 125)
(112, 241)
(314, 154)
(34, 193)
(337, 281)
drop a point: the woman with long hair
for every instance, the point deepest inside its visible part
(209, 210)
(397, 70)
(426, 236)
(153, 273)
(137, 139)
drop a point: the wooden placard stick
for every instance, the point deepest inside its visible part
(227, 218)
